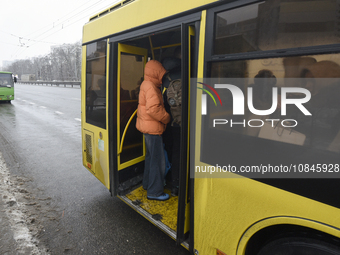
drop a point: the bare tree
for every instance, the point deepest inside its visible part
(62, 63)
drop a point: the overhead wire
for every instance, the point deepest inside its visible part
(24, 38)
(63, 23)
(31, 33)
(67, 25)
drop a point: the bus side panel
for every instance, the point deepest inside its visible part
(140, 9)
(226, 207)
(95, 153)
(94, 139)
(6, 94)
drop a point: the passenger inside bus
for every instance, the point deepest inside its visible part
(172, 133)
(152, 119)
(166, 48)
(321, 79)
(264, 82)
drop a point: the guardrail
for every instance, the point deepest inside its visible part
(66, 84)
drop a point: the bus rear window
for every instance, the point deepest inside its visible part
(96, 84)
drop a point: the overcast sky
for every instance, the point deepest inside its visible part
(28, 28)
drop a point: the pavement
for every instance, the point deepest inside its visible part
(18, 226)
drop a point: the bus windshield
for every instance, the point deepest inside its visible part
(6, 79)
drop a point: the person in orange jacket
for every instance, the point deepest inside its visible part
(152, 119)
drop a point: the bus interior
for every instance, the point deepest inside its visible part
(171, 215)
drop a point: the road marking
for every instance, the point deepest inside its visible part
(32, 103)
(44, 107)
(73, 98)
(57, 112)
(77, 119)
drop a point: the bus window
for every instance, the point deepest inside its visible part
(318, 73)
(273, 25)
(246, 29)
(96, 84)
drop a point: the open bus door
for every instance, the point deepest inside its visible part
(130, 145)
(172, 216)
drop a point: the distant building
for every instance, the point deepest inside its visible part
(28, 77)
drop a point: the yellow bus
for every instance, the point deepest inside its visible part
(259, 138)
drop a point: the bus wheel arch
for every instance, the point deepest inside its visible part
(262, 237)
(299, 245)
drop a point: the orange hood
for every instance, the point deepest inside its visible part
(154, 72)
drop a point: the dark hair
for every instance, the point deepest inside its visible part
(264, 73)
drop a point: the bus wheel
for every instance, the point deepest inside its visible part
(299, 246)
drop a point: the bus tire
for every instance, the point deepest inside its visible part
(299, 246)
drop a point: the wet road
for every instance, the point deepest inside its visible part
(65, 210)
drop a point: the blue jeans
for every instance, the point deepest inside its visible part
(154, 170)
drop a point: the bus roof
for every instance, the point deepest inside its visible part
(133, 13)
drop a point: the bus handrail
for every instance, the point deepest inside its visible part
(127, 125)
(125, 130)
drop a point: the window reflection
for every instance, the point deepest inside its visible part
(277, 24)
(96, 84)
(320, 74)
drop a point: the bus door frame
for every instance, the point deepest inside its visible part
(113, 117)
(188, 69)
(191, 20)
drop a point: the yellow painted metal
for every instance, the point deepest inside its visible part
(228, 211)
(228, 208)
(134, 14)
(83, 94)
(161, 47)
(167, 46)
(125, 130)
(100, 135)
(122, 48)
(167, 210)
(279, 220)
(152, 49)
(200, 72)
(88, 151)
(191, 33)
